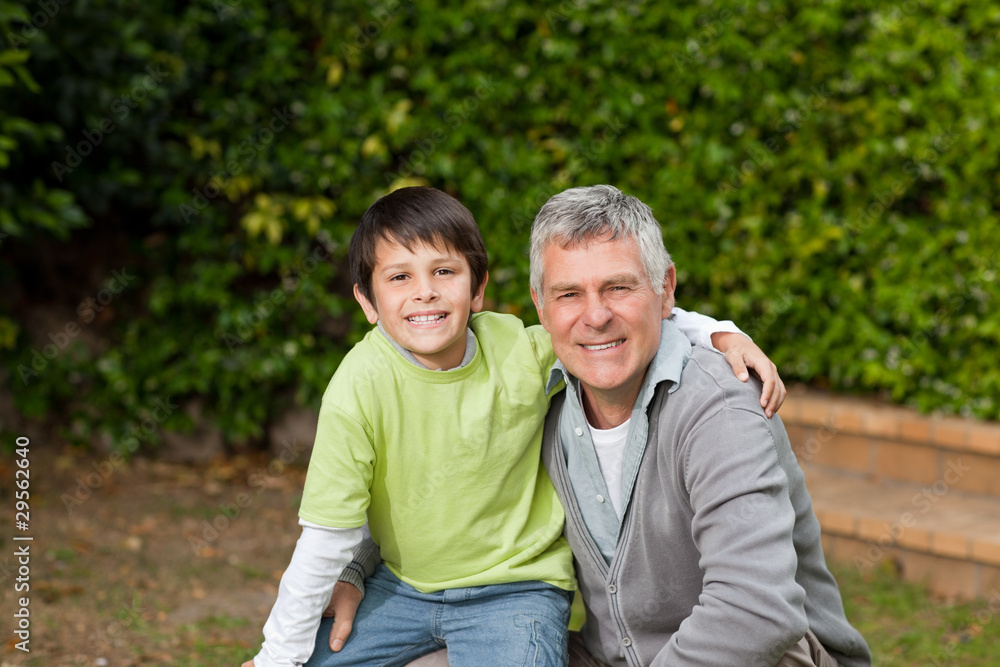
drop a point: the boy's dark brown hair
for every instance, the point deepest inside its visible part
(409, 216)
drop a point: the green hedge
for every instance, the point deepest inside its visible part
(826, 176)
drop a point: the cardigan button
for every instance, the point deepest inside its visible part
(578, 431)
(626, 642)
(612, 589)
(600, 498)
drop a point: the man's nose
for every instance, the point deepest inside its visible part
(597, 314)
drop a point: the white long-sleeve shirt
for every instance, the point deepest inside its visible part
(290, 632)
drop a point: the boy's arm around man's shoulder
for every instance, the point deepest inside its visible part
(739, 349)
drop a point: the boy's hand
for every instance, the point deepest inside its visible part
(741, 352)
(343, 606)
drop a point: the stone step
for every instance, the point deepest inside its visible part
(941, 536)
(879, 442)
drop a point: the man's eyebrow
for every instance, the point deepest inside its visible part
(621, 279)
(618, 279)
(564, 287)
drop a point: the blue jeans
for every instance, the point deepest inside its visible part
(517, 624)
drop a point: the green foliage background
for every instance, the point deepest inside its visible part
(826, 176)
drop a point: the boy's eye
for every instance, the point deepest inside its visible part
(443, 272)
(398, 276)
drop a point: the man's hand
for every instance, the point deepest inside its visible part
(248, 663)
(343, 606)
(741, 352)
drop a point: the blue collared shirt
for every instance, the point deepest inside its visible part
(578, 447)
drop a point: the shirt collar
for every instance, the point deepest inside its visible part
(470, 349)
(667, 365)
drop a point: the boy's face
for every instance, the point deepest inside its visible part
(423, 299)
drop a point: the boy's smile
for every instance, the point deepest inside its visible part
(423, 299)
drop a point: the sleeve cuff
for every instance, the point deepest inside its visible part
(699, 328)
(354, 574)
(366, 557)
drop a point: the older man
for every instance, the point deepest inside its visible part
(693, 533)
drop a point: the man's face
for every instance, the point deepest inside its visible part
(423, 299)
(602, 314)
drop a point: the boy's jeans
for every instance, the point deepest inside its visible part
(524, 623)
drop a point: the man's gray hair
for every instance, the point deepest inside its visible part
(579, 215)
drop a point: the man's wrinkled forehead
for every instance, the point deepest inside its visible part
(594, 272)
(584, 237)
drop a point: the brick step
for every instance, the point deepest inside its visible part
(933, 534)
(893, 444)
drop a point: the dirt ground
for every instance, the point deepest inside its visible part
(149, 563)
(145, 563)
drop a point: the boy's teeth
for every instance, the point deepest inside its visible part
(426, 318)
(605, 346)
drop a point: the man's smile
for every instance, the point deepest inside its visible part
(603, 346)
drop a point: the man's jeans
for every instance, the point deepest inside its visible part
(523, 623)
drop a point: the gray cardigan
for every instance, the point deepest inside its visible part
(718, 561)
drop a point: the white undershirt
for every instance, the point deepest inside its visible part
(609, 444)
(304, 592)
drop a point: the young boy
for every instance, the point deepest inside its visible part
(430, 430)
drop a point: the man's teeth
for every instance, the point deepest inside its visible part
(426, 318)
(606, 345)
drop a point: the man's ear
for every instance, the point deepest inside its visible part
(540, 308)
(669, 286)
(478, 297)
(371, 312)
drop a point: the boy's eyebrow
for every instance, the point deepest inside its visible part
(407, 265)
(393, 267)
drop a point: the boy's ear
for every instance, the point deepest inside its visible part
(370, 311)
(478, 297)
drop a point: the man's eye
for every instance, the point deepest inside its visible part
(567, 295)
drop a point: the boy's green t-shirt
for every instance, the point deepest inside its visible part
(445, 465)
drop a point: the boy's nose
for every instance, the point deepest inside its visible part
(425, 292)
